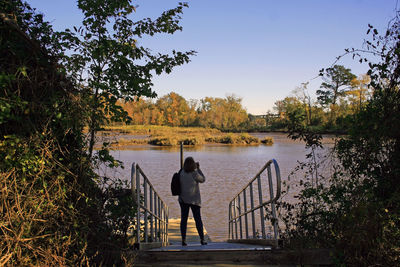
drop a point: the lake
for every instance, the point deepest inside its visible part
(227, 169)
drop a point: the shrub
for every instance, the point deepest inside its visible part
(269, 141)
(51, 203)
(163, 141)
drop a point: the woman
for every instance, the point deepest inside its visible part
(190, 177)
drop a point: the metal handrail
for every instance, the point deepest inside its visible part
(239, 209)
(152, 212)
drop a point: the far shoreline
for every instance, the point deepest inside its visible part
(153, 136)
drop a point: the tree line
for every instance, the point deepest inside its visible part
(55, 208)
(174, 110)
(341, 94)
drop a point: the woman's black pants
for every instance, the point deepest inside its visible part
(197, 218)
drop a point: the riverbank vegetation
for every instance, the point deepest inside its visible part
(356, 208)
(173, 136)
(341, 96)
(55, 210)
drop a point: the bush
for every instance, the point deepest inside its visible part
(163, 141)
(269, 141)
(191, 141)
(53, 210)
(355, 210)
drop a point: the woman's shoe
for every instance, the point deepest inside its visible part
(184, 243)
(203, 242)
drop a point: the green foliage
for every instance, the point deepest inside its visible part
(224, 114)
(121, 208)
(355, 210)
(105, 49)
(55, 209)
(336, 79)
(46, 190)
(340, 97)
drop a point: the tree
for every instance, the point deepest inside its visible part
(211, 111)
(235, 115)
(174, 109)
(336, 80)
(52, 208)
(356, 210)
(289, 104)
(139, 110)
(106, 61)
(360, 92)
(222, 113)
(302, 94)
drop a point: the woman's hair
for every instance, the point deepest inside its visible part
(189, 164)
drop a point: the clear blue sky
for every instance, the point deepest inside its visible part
(259, 50)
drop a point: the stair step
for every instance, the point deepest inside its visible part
(235, 257)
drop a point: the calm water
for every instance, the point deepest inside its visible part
(227, 170)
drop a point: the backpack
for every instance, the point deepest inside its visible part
(176, 184)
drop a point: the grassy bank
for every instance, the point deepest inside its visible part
(157, 129)
(173, 136)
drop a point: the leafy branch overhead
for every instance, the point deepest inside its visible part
(52, 86)
(105, 60)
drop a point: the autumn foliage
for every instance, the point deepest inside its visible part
(174, 110)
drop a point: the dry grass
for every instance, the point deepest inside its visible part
(191, 136)
(158, 130)
(36, 226)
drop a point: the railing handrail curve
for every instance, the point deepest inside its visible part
(148, 181)
(259, 173)
(235, 205)
(152, 212)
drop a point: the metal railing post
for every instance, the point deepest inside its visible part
(138, 206)
(273, 208)
(133, 177)
(167, 223)
(164, 228)
(253, 219)
(245, 211)
(240, 218)
(235, 206)
(151, 217)
(262, 209)
(161, 224)
(155, 218)
(152, 212)
(145, 211)
(159, 221)
(229, 221)
(235, 216)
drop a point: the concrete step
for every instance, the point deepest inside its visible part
(223, 254)
(211, 246)
(234, 257)
(176, 264)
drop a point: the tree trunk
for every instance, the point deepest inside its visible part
(93, 123)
